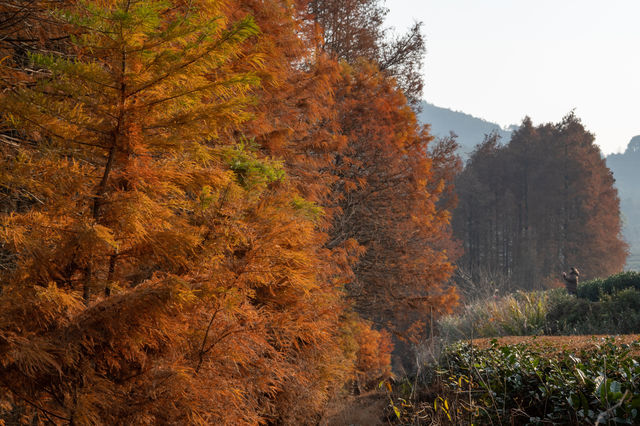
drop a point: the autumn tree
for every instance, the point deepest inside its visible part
(353, 30)
(387, 197)
(163, 270)
(538, 205)
(292, 117)
(186, 192)
(297, 119)
(384, 207)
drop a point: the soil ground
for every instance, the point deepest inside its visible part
(362, 410)
(560, 343)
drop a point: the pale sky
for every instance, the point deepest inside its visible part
(503, 59)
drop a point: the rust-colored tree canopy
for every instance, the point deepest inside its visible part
(206, 215)
(539, 205)
(386, 203)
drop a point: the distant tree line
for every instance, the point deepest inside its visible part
(534, 207)
(627, 173)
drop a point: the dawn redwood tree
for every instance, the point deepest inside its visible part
(353, 30)
(480, 188)
(159, 268)
(292, 118)
(387, 199)
(446, 165)
(538, 205)
(296, 119)
(591, 228)
(386, 218)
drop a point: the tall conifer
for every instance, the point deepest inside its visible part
(160, 269)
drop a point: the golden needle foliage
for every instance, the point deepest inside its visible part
(161, 272)
(171, 178)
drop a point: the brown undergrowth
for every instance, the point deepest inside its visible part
(559, 343)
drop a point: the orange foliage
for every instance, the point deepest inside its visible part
(162, 271)
(389, 204)
(187, 193)
(373, 362)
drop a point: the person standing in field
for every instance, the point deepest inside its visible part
(571, 281)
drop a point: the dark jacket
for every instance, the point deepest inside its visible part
(571, 281)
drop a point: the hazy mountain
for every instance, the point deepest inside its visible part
(470, 129)
(626, 168)
(626, 171)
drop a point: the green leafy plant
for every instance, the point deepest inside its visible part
(595, 290)
(539, 385)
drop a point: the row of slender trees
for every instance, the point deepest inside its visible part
(538, 205)
(211, 212)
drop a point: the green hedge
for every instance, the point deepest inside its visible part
(618, 313)
(594, 290)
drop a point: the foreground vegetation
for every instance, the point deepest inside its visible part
(526, 384)
(603, 306)
(534, 379)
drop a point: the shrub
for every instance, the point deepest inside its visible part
(617, 313)
(524, 385)
(594, 290)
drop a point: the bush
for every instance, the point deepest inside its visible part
(518, 384)
(617, 313)
(594, 290)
